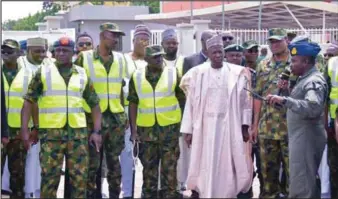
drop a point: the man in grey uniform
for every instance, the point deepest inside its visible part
(305, 120)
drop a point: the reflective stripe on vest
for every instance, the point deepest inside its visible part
(160, 105)
(14, 96)
(131, 67)
(332, 72)
(179, 65)
(107, 86)
(59, 103)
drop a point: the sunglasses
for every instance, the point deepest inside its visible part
(82, 44)
(5, 52)
(328, 55)
(227, 38)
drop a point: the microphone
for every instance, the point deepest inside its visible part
(284, 76)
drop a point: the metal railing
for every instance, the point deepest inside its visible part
(317, 35)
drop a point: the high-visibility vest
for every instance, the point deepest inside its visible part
(159, 105)
(107, 85)
(333, 74)
(61, 103)
(131, 67)
(179, 65)
(14, 95)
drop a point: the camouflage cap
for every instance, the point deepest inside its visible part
(277, 33)
(111, 27)
(11, 44)
(250, 44)
(154, 50)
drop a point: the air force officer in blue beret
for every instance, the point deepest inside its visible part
(305, 120)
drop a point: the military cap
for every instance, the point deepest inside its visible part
(226, 34)
(300, 38)
(277, 33)
(215, 40)
(250, 44)
(10, 43)
(51, 48)
(111, 27)
(23, 44)
(142, 29)
(37, 41)
(65, 42)
(154, 50)
(169, 34)
(291, 33)
(234, 48)
(304, 48)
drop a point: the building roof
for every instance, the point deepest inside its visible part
(244, 15)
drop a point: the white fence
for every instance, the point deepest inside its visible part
(51, 36)
(241, 35)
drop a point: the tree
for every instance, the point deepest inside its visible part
(28, 23)
(154, 6)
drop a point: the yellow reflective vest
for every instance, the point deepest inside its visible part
(179, 65)
(14, 95)
(107, 85)
(159, 105)
(131, 67)
(60, 103)
(333, 74)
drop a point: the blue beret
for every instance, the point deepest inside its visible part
(304, 48)
(23, 44)
(64, 41)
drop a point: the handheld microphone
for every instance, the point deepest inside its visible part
(284, 76)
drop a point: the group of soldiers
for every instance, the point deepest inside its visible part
(83, 104)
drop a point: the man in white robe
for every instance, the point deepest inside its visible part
(215, 122)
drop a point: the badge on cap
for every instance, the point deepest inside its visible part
(64, 41)
(294, 51)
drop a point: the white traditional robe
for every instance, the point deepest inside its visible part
(216, 108)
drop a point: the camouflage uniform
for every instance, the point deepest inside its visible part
(320, 64)
(66, 141)
(158, 143)
(14, 150)
(272, 129)
(113, 129)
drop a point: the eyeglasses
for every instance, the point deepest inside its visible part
(82, 44)
(328, 55)
(226, 38)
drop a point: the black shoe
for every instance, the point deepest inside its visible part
(4, 192)
(194, 194)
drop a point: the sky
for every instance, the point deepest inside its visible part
(19, 9)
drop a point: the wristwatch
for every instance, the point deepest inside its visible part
(284, 101)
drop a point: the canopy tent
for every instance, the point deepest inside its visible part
(245, 15)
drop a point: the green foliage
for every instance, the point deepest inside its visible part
(28, 23)
(154, 6)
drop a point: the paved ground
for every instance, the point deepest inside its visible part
(139, 182)
(138, 185)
